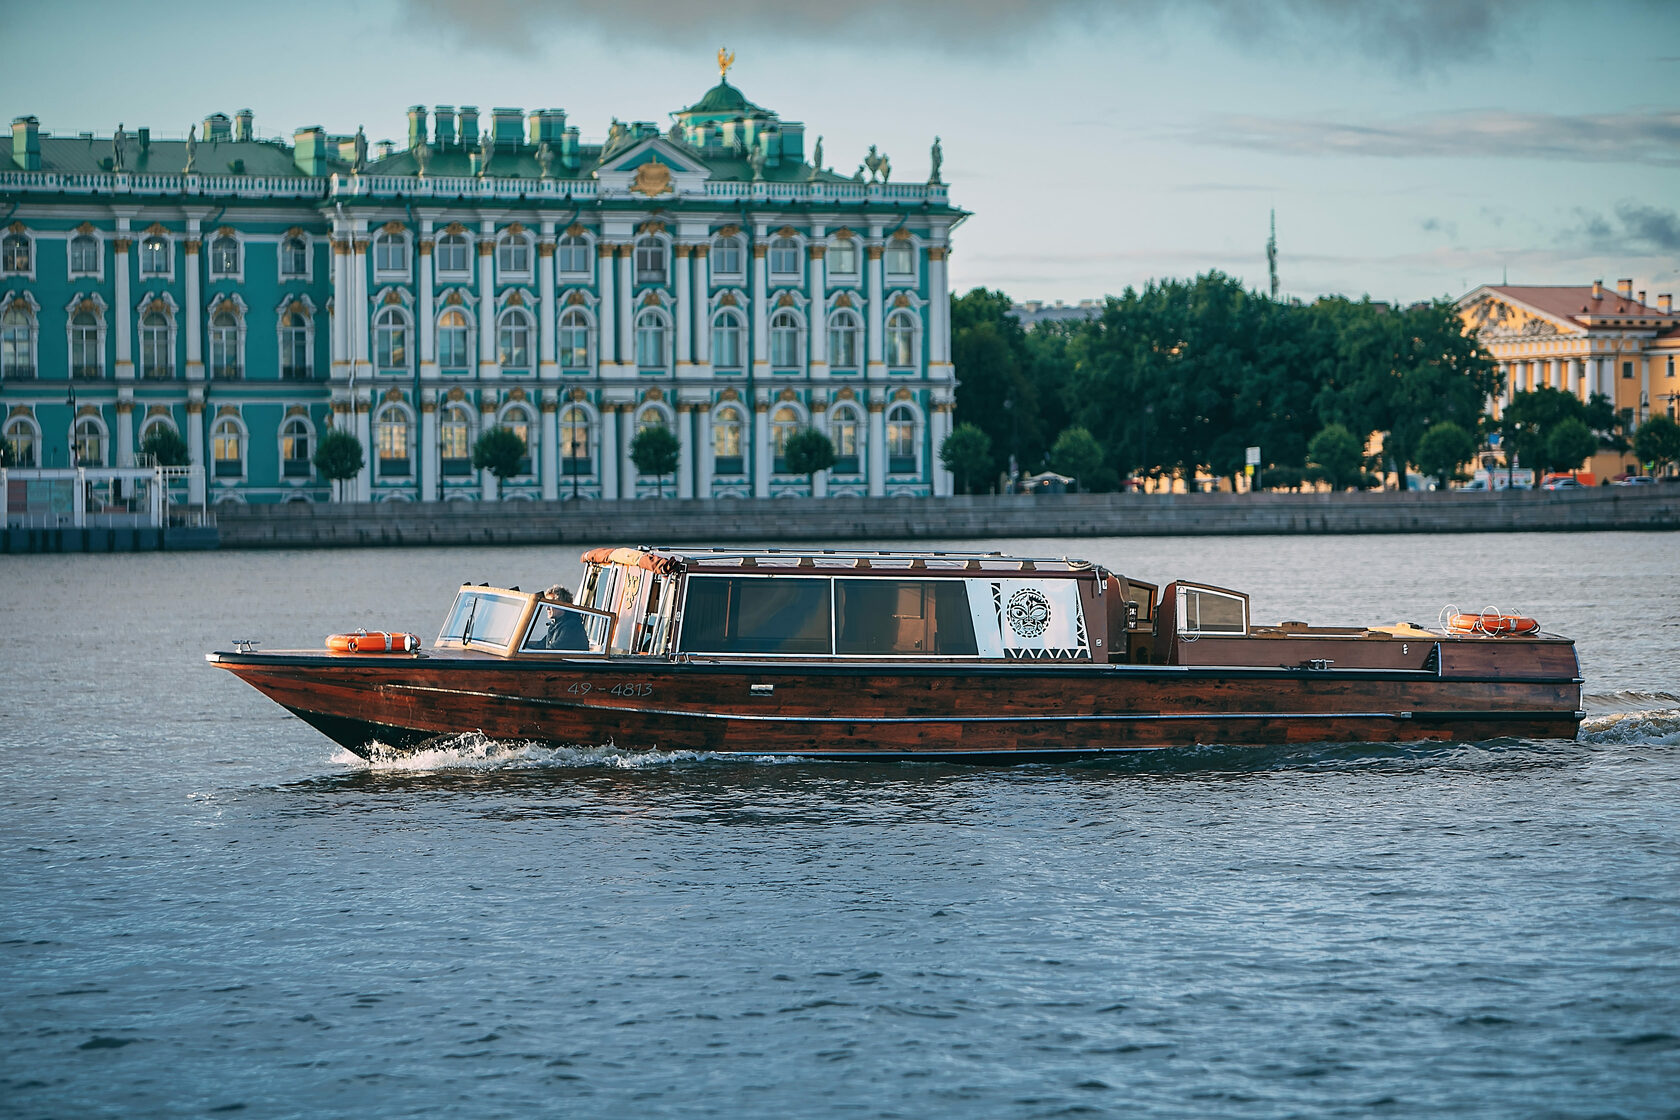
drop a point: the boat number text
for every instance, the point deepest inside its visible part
(624, 688)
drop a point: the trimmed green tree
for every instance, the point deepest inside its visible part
(1569, 444)
(1657, 443)
(808, 452)
(1442, 448)
(500, 451)
(655, 451)
(967, 453)
(337, 457)
(166, 447)
(1337, 456)
(1077, 454)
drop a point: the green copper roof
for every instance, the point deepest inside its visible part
(723, 99)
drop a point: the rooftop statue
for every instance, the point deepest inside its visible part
(873, 162)
(545, 159)
(756, 159)
(886, 167)
(360, 163)
(816, 158)
(422, 158)
(192, 148)
(118, 143)
(726, 59)
(936, 158)
(486, 152)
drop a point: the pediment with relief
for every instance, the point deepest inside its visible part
(655, 168)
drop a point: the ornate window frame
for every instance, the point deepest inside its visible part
(300, 416)
(793, 322)
(503, 319)
(857, 328)
(143, 246)
(388, 235)
(844, 241)
(845, 411)
(219, 239)
(715, 256)
(918, 434)
(93, 304)
(589, 429)
(647, 278)
(160, 303)
(101, 432)
(903, 240)
(785, 243)
(303, 307)
(11, 238)
(506, 240)
(581, 304)
(31, 428)
(301, 235)
(242, 432)
(533, 432)
(468, 367)
(233, 304)
(21, 303)
(91, 233)
(442, 275)
(735, 412)
(381, 422)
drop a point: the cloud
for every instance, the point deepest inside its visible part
(1407, 34)
(1439, 225)
(1650, 137)
(1634, 230)
(1660, 229)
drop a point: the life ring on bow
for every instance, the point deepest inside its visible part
(373, 641)
(1492, 622)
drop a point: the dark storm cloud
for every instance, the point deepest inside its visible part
(1651, 137)
(1406, 34)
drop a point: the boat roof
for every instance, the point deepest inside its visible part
(735, 559)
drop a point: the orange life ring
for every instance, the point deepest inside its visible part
(373, 641)
(1490, 623)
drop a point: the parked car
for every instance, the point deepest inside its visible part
(1567, 482)
(1635, 480)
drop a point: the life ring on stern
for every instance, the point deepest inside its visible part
(373, 641)
(1491, 622)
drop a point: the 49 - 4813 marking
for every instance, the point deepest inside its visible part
(623, 688)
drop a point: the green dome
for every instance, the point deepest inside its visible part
(723, 99)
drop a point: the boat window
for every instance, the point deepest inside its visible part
(888, 616)
(560, 626)
(1202, 610)
(729, 614)
(483, 618)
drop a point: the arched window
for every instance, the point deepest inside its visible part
(843, 257)
(726, 442)
(784, 339)
(294, 257)
(17, 343)
(294, 346)
(224, 345)
(901, 339)
(224, 256)
(452, 253)
(392, 440)
(84, 253)
(784, 422)
(295, 448)
(727, 332)
(14, 252)
(650, 338)
(901, 257)
(901, 439)
(513, 341)
(227, 448)
(390, 335)
(517, 419)
(90, 443)
(455, 440)
(728, 256)
(573, 254)
(23, 439)
(390, 252)
(650, 417)
(843, 428)
(844, 330)
(154, 256)
(784, 257)
(650, 260)
(454, 341)
(513, 254)
(574, 441)
(157, 353)
(574, 339)
(87, 357)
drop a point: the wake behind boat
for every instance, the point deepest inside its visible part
(839, 654)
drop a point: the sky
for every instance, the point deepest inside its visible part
(1411, 149)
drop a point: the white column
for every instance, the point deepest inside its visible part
(819, 421)
(195, 449)
(364, 432)
(606, 326)
(681, 313)
(125, 436)
(939, 312)
(761, 448)
(194, 313)
(120, 314)
(877, 448)
(702, 315)
(873, 294)
(626, 465)
(1571, 376)
(549, 456)
(606, 448)
(816, 318)
(760, 310)
(547, 368)
(343, 306)
(685, 450)
(425, 314)
(703, 440)
(429, 452)
(356, 318)
(487, 366)
(486, 420)
(626, 308)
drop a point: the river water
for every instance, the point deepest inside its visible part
(208, 909)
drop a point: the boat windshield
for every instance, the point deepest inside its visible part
(562, 627)
(483, 618)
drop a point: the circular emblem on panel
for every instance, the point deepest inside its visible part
(1028, 612)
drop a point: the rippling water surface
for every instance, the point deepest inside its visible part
(206, 908)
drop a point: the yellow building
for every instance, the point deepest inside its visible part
(1583, 340)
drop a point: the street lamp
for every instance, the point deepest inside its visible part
(70, 401)
(571, 446)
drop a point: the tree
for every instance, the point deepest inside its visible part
(1336, 456)
(808, 452)
(1569, 444)
(167, 449)
(500, 451)
(1657, 443)
(967, 453)
(1441, 450)
(1077, 454)
(997, 391)
(655, 451)
(337, 457)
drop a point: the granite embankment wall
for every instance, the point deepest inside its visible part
(868, 520)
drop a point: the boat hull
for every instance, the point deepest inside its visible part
(986, 711)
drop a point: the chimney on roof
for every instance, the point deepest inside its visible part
(26, 143)
(1641, 297)
(144, 135)
(1598, 289)
(1624, 288)
(1665, 303)
(416, 125)
(242, 125)
(469, 126)
(217, 128)
(444, 119)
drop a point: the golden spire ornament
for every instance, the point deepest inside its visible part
(726, 59)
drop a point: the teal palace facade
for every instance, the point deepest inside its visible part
(251, 294)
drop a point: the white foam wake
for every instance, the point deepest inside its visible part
(1654, 726)
(474, 751)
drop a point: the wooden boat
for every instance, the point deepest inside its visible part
(836, 654)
